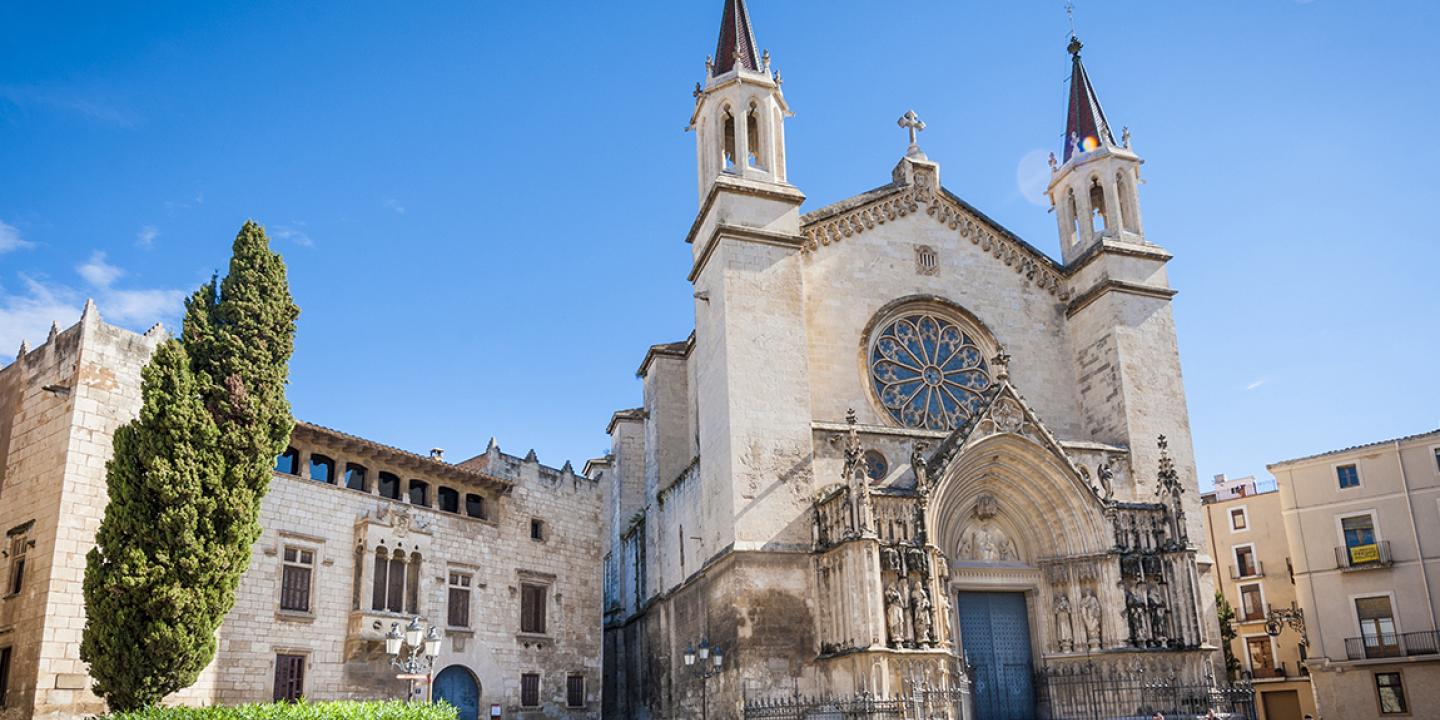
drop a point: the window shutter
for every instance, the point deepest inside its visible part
(459, 615)
(289, 677)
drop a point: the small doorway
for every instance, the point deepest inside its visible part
(995, 635)
(457, 686)
(1281, 705)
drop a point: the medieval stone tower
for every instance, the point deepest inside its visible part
(903, 447)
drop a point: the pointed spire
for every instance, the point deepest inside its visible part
(1085, 124)
(737, 40)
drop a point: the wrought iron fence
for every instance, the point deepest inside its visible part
(918, 703)
(1087, 693)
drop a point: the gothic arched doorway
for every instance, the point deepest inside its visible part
(458, 686)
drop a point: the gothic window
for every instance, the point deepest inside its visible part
(19, 546)
(926, 261)
(532, 608)
(395, 583)
(876, 468)
(1127, 202)
(1071, 216)
(412, 584)
(927, 372)
(475, 506)
(288, 462)
(419, 493)
(359, 579)
(389, 486)
(355, 477)
(1097, 206)
(382, 566)
(458, 606)
(295, 574)
(727, 153)
(322, 469)
(752, 138)
(448, 499)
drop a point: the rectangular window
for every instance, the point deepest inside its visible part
(355, 477)
(1437, 459)
(1237, 519)
(575, 691)
(1377, 626)
(289, 677)
(458, 609)
(1348, 476)
(1245, 563)
(295, 579)
(19, 545)
(1391, 689)
(1262, 659)
(419, 493)
(537, 529)
(530, 690)
(4, 675)
(475, 506)
(1359, 532)
(532, 608)
(1252, 607)
(448, 499)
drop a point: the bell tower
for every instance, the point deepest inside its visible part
(1093, 191)
(739, 118)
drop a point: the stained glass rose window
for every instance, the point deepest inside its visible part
(927, 371)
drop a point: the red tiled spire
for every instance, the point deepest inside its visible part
(1085, 119)
(737, 40)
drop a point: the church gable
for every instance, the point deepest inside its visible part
(868, 211)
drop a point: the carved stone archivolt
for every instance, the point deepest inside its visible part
(983, 540)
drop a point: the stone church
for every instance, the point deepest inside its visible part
(903, 447)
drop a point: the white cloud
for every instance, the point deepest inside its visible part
(1032, 176)
(294, 233)
(1256, 384)
(28, 313)
(395, 205)
(82, 103)
(145, 238)
(10, 238)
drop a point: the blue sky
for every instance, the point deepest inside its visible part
(483, 204)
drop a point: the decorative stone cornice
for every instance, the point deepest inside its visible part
(1110, 284)
(822, 229)
(744, 233)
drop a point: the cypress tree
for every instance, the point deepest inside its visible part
(200, 457)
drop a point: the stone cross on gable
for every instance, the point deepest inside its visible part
(912, 122)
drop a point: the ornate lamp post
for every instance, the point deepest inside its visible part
(416, 658)
(1292, 617)
(711, 659)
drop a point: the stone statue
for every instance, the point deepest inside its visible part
(917, 464)
(1053, 165)
(920, 609)
(915, 561)
(1064, 634)
(942, 621)
(895, 616)
(1136, 606)
(1125, 136)
(1090, 618)
(1107, 478)
(1158, 613)
(891, 556)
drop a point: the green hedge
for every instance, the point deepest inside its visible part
(389, 710)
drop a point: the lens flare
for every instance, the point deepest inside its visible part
(1089, 143)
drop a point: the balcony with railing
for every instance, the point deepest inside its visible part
(1364, 557)
(1390, 645)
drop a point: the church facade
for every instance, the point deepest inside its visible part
(903, 447)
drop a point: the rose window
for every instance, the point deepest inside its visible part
(927, 372)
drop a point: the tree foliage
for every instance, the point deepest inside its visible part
(186, 481)
(1227, 632)
(344, 710)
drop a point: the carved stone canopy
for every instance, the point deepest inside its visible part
(983, 540)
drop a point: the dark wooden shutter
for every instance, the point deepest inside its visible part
(289, 677)
(532, 609)
(530, 690)
(295, 588)
(4, 674)
(575, 691)
(459, 607)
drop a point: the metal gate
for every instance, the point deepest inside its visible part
(995, 633)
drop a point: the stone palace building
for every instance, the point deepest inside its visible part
(900, 435)
(499, 552)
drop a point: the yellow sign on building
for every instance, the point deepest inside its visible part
(1364, 554)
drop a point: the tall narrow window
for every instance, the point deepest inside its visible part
(380, 581)
(355, 477)
(530, 690)
(1377, 626)
(395, 591)
(575, 691)
(412, 584)
(419, 493)
(1391, 689)
(359, 579)
(1360, 544)
(727, 153)
(289, 677)
(288, 462)
(19, 546)
(322, 469)
(475, 506)
(1348, 476)
(1252, 606)
(389, 486)
(4, 675)
(532, 608)
(1245, 563)
(537, 529)
(1262, 656)
(448, 499)
(1097, 206)
(295, 575)
(458, 608)
(1072, 215)
(752, 139)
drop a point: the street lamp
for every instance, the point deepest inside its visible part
(1293, 617)
(417, 658)
(711, 659)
